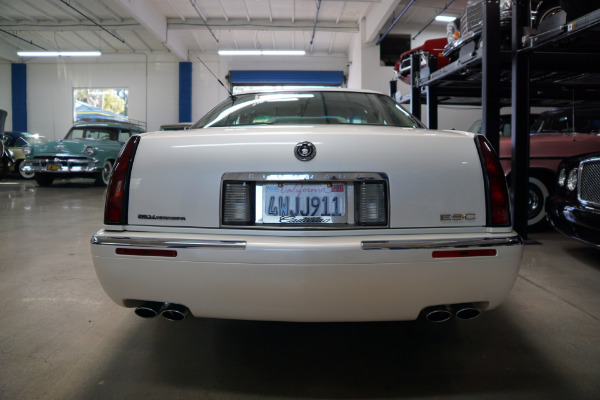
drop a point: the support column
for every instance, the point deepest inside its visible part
(520, 120)
(19, 97)
(490, 90)
(185, 92)
(415, 91)
(432, 106)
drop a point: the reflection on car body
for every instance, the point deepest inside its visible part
(308, 205)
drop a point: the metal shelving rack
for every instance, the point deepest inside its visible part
(550, 69)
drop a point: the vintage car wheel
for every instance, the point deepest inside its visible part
(105, 174)
(537, 196)
(547, 10)
(43, 179)
(24, 174)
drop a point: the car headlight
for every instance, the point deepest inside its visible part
(89, 150)
(27, 150)
(572, 179)
(505, 5)
(562, 177)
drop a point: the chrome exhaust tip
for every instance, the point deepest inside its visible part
(437, 314)
(174, 312)
(467, 311)
(150, 309)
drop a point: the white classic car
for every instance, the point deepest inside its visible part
(310, 205)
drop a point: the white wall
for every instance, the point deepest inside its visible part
(153, 82)
(5, 93)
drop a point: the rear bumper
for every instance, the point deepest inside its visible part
(574, 220)
(339, 278)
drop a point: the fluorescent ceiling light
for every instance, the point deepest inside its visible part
(261, 52)
(239, 52)
(444, 18)
(59, 53)
(283, 52)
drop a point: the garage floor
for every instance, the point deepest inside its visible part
(62, 338)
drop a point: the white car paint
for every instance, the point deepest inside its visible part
(311, 274)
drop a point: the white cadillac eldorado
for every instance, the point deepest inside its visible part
(308, 205)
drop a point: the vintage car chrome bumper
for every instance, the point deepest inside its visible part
(297, 278)
(62, 164)
(574, 220)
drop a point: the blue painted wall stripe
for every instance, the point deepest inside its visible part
(185, 92)
(287, 77)
(19, 97)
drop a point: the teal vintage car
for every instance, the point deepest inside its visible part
(89, 150)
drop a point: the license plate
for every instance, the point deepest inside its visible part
(53, 167)
(304, 203)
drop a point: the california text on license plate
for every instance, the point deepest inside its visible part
(304, 203)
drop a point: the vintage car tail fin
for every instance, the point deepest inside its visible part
(497, 199)
(115, 210)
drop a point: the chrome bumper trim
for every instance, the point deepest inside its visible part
(436, 244)
(168, 243)
(68, 169)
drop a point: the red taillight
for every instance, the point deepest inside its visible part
(498, 203)
(115, 210)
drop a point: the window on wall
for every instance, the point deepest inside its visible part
(100, 104)
(391, 47)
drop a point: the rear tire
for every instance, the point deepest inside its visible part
(43, 179)
(537, 196)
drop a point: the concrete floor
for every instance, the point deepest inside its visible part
(62, 338)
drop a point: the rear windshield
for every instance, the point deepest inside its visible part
(308, 108)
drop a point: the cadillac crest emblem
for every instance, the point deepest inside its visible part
(305, 151)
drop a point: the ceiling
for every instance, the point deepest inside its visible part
(182, 27)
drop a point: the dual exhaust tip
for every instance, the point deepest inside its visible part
(437, 314)
(169, 311)
(444, 313)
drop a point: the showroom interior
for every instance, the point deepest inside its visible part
(169, 62)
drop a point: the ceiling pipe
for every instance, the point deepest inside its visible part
(315, 25)
(92, 21)
(20, 38)
(193, 3)
(395, 22)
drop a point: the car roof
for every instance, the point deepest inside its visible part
(116, 125)
(311, 89)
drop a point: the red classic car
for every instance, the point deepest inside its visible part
(433, 47)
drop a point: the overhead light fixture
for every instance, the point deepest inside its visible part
(444, 18)
(59, 53)
(283, 52)
(262, 52)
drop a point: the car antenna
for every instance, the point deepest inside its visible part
(218, 80)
